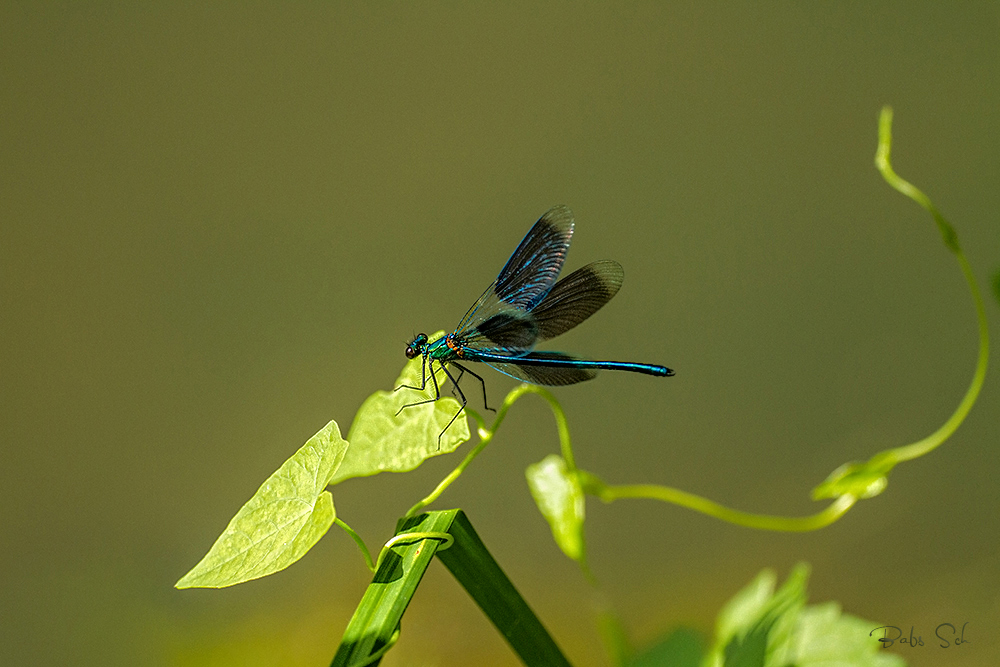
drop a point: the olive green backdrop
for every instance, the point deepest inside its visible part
(220, 225)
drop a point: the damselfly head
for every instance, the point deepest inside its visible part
(416, 346)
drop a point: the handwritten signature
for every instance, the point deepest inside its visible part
(946, 634)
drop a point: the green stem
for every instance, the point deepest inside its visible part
(833, 511)
(561, 424)
(852, 481)
(486, 436)
(884, 166)
(357, 539)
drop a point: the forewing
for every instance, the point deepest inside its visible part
(577, 296)
(533, 268)
(498, 320)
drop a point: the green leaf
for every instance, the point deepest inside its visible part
(281, 522)
(763, 628)
(826, 636)
(381, 441)
(561, 501)
(744, 625)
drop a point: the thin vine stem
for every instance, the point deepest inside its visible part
(357, 540)
(486, 436)
(883, 164)
(821, 519)
(882, 462)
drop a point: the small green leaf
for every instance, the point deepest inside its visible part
(381, 441)
(560, 499)
(281, 522)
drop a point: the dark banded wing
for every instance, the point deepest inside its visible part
(576, 297)
(499, 319)
(533, 268)
(532, 369)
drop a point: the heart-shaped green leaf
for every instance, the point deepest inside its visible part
(281, 522)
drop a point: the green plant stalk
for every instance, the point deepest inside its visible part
(374, 628)
(471, 564)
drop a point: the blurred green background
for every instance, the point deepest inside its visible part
(220, 225)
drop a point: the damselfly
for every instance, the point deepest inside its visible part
(523, 306)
